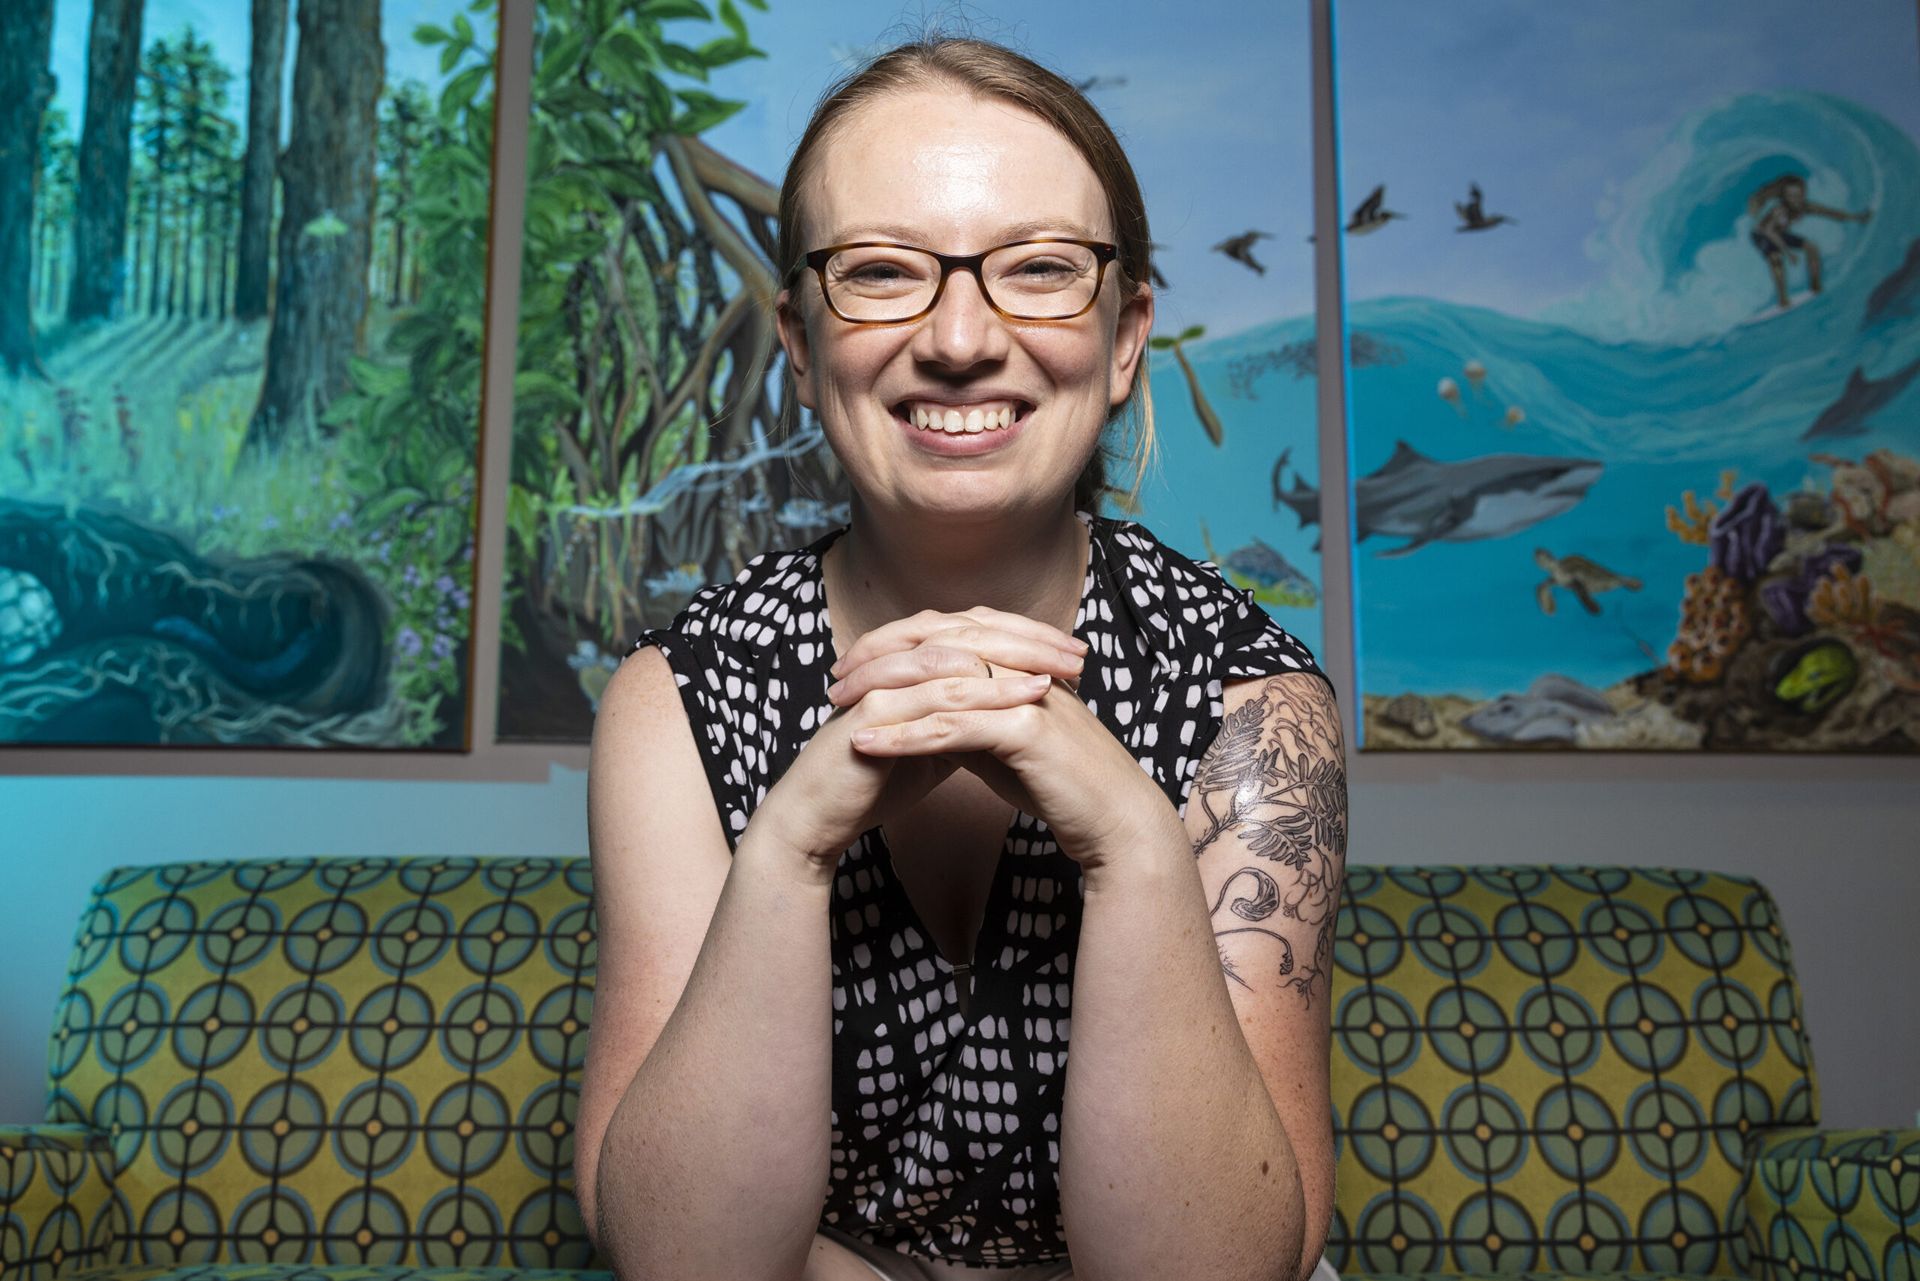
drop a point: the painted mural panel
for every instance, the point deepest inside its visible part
(242, 277)
(653, 453)
(1632, 296)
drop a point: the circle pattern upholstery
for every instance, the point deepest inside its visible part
(298, 1068)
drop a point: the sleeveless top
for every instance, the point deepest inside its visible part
(945, 1126)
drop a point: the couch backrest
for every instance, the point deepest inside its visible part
(1556, 1068)
(338, 1061)
(378, 1061)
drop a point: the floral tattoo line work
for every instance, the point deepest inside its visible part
(1278, 761)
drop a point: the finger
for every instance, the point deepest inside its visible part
(948, 731)
(949, 694)
(908, 632)
(937, 658)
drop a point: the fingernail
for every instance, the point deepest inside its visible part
(1038, 682)
(1080, 645)
(1075, 659)
(833, 690)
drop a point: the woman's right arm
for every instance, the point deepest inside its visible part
(701, 1145)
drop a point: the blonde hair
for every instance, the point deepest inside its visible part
(997, 71)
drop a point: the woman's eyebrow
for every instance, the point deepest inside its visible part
(1005, 235)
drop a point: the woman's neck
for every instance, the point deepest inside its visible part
(880, 571)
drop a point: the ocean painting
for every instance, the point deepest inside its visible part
(243, 252)
(654, 450)
(1632, 302)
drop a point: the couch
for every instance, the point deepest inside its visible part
(368, 1068)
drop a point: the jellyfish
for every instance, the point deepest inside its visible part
(1476, 374)
(1515, 416)
(1450, 392)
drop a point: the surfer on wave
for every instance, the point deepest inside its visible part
(1777, 205)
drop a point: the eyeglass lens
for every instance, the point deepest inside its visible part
(1036, 282)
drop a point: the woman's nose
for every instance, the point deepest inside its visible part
(963, 329)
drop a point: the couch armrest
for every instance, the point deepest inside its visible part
(1834, 1205)
(57, 1208)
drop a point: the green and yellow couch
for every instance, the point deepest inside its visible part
(369, 1068)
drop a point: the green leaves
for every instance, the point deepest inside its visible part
(704, 111)
(667, 10)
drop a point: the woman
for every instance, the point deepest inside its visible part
(987, 802)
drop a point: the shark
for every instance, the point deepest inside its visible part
(1425, 500)
(1861, 399)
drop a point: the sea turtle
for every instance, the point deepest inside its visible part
(1578, 575)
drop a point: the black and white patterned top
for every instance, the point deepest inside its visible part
(946, 1123)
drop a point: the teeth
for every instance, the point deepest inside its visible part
(955, 423)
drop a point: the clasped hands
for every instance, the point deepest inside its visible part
(1048, 755)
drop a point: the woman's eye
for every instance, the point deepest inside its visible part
(1044, 267)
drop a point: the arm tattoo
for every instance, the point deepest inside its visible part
(1279, 761)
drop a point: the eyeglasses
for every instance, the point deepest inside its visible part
(877, 282)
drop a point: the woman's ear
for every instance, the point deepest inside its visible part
(1129, 341)
(791, 327)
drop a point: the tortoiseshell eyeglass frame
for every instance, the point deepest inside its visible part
(1103, 253)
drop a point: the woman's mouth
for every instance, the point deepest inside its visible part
(962, 430)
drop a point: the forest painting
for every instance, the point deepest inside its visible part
(242, 284)
(1635, 326)
(654, 451)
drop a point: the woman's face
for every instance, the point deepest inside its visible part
(958, 173)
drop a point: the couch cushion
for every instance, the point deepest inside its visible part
(371, 1060)
(1554, 1067)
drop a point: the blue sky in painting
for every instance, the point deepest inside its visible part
(1217, 153)
(1556, 110)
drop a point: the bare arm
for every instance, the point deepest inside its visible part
(1196, 1137)
(704, 1128)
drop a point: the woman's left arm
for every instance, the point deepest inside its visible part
(1196, 1135)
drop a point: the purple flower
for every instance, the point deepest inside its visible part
(407, 642)
(1747, 535)
(269, 521)
(341, 520)
(443, 584)
(461, 598)
(411, 577)
(442, 644)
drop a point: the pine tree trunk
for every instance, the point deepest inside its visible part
(104, 161)
(326, 222)
(263, 139)
(26, 86)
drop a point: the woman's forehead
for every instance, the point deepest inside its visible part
(935, 165)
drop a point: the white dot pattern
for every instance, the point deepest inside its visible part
(945, 1139)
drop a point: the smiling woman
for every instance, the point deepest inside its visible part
(963, 728)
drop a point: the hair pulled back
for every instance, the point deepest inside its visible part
(993, 70)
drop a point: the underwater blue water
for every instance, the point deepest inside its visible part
(1654, 375)
(1197, 492)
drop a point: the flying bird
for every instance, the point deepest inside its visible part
(1471, 217)
(1240, 248)
(1369, 215)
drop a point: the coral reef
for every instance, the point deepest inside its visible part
(1747, 534)
(1803, 630)
(1694, 527)
(1715, 620)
